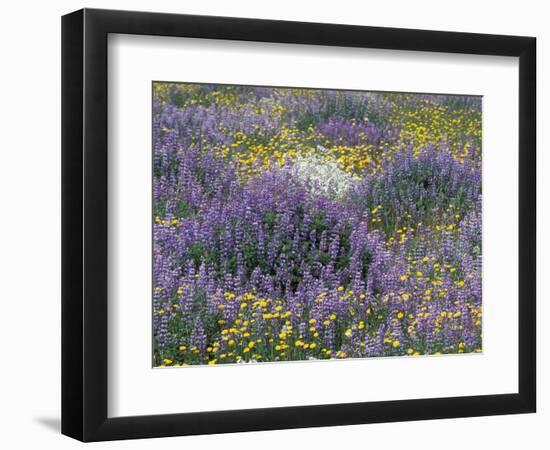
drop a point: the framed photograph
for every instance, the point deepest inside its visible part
(273, 225)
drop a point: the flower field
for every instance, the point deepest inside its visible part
(297, 224)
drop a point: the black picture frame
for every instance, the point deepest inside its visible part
(84, 224)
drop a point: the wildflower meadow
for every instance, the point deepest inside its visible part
(309, 224)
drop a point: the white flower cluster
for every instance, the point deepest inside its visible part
(318, 175)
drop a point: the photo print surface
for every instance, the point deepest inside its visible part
(296, 224)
